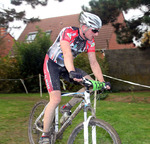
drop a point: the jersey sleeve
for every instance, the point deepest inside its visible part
(66, 34)
(90, 46)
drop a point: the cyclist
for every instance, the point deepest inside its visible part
(70, 42)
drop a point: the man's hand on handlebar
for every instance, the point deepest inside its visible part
(78, 77)
(107, 85)
(97, 85)
(75, 76)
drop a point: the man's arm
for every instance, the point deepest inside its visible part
(68, 58)
(95, 66)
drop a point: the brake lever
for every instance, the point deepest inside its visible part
(86, 82)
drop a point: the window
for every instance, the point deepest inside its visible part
(31, 37)
(48, 32)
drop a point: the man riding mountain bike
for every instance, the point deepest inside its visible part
(58, 62)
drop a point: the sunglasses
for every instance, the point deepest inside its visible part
(95, 30)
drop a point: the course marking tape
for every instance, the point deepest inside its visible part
(127, 81)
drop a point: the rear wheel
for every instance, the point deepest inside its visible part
(105, 133)
(33, 133)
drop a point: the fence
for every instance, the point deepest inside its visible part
(22, 81)
(40, 82)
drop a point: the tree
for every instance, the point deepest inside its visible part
(8, 69)
(9, 15)
(145, 40)
(109, 10)
(30, 58)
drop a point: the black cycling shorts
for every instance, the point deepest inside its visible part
(53, 72)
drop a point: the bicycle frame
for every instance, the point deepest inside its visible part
(86, 105)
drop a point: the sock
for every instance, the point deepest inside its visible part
(45, 134)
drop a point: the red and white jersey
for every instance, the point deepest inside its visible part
(77, 44)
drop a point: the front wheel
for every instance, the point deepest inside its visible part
(105, 133)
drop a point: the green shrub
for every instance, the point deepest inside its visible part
(30, 58)
(9, 70)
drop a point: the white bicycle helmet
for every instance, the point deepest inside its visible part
(90, 20)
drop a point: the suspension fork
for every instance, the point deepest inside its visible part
(87, 120)
(86, 124)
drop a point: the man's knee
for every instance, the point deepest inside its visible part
(55, 97)
(57, 100)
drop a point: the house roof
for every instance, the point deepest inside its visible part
(57, 23)
(54, 24)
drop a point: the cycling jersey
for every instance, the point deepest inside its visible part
(77, 44)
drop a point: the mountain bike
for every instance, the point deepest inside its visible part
(90, 131)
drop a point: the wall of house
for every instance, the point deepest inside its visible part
(114, 45)
(6, 46)
(131, 65)
(6, 42)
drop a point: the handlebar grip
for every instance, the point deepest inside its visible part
(98, 85)
(95, 84)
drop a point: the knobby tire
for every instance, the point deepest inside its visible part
(105, 133)
(34, 134)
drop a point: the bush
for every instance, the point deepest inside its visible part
(9, 70)
(30, 58)
(145, 41)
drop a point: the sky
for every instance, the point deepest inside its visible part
(53, 9)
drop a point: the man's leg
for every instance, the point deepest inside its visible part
(52, 81)
(55, 99)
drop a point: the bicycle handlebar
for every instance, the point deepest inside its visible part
(96, 85)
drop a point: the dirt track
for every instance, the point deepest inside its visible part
(128, 99)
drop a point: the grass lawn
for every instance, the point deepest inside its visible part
(128, 113)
